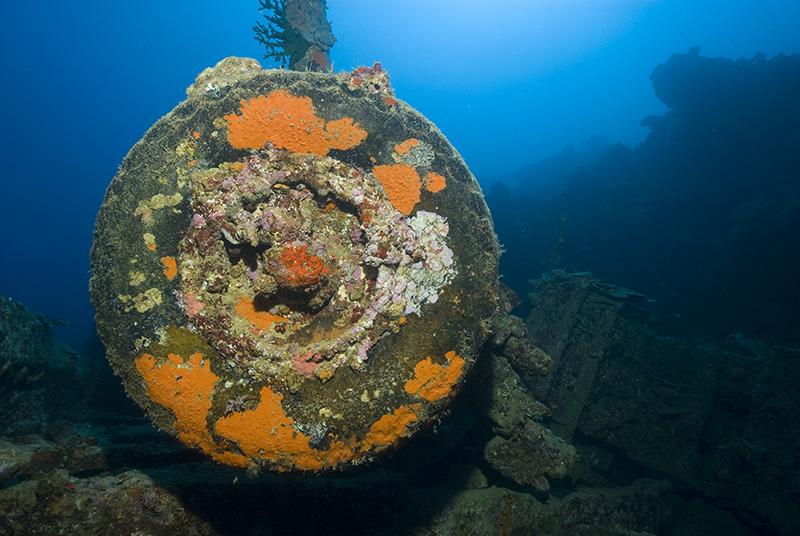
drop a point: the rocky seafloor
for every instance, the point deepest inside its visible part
(579, 420)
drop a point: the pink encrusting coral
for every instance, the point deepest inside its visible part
(191, 304)
(305, 364)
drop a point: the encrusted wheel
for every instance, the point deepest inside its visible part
(293, 271)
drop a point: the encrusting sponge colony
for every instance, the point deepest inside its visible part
(293, 271)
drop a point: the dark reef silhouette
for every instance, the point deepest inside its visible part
(703, 216)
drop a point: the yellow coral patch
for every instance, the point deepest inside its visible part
(147, 300)
(149, 241)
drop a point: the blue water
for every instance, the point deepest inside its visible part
(510, 83)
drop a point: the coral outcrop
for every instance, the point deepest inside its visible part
(303, 280)
(41, 378)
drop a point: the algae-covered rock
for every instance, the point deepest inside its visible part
(719, 420)
(638, 509)
(531, 455)
(293, 271)
(41, 378)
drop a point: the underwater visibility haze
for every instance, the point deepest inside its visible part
(522, 267)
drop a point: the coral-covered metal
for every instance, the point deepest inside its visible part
(293, 271)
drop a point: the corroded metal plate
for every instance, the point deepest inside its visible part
(293, 271)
